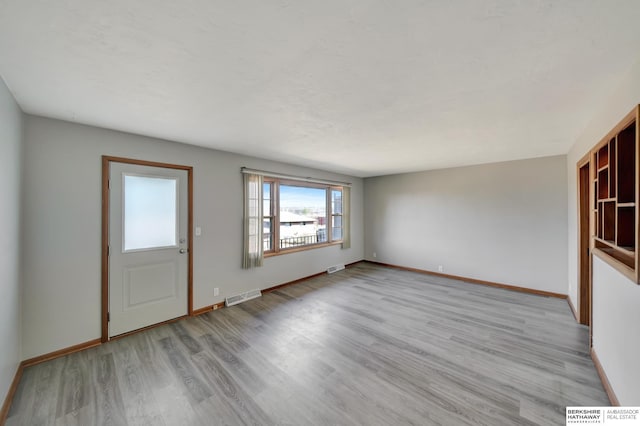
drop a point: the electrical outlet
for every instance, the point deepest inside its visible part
(375, 254)
(440, 268)
(216, 291)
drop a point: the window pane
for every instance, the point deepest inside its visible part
(267, 234)
(336, 201)
(266, 197)
(303, 215)
(150, 212)
(336, 234)
(336, 228)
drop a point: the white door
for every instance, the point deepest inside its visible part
(148, 246)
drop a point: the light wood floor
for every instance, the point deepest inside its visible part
(368, 345)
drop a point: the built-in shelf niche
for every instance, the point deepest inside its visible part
(614, 225)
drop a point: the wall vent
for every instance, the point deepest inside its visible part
(335, 268)
(243, 297)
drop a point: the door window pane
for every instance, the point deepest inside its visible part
(150, 212)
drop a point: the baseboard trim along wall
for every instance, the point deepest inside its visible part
(206, 309)
(4, 412)
(613, 399)
(220, 305)
(573, 310)
(61, 352)
(474, 280)
(299, 280)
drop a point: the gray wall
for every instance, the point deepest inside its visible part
(502, 222)
(62, 227)
(10, 170)
(616, 299)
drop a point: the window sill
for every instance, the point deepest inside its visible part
(302, 248)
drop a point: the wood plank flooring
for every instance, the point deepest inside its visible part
(366, 346)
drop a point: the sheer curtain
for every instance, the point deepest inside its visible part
(346, 217)
(253, 249)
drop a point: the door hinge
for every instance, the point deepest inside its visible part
(108, 250)
(108, 316)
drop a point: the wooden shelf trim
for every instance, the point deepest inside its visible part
(615, 191)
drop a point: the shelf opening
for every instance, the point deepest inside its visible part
(609, 221)
(626, 160)
(626, 229)
(603, 184)
(603, 157)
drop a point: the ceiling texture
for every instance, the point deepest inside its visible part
(366, 87)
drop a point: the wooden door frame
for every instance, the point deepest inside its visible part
(584, 306)
(106, 163)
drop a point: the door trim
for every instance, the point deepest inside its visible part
(585, 294)
(106, 162)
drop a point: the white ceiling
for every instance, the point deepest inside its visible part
(365, 87)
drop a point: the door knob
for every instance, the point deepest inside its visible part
(183, 251)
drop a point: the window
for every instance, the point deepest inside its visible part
(300, 215)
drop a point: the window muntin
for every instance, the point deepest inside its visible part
(300, 215)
